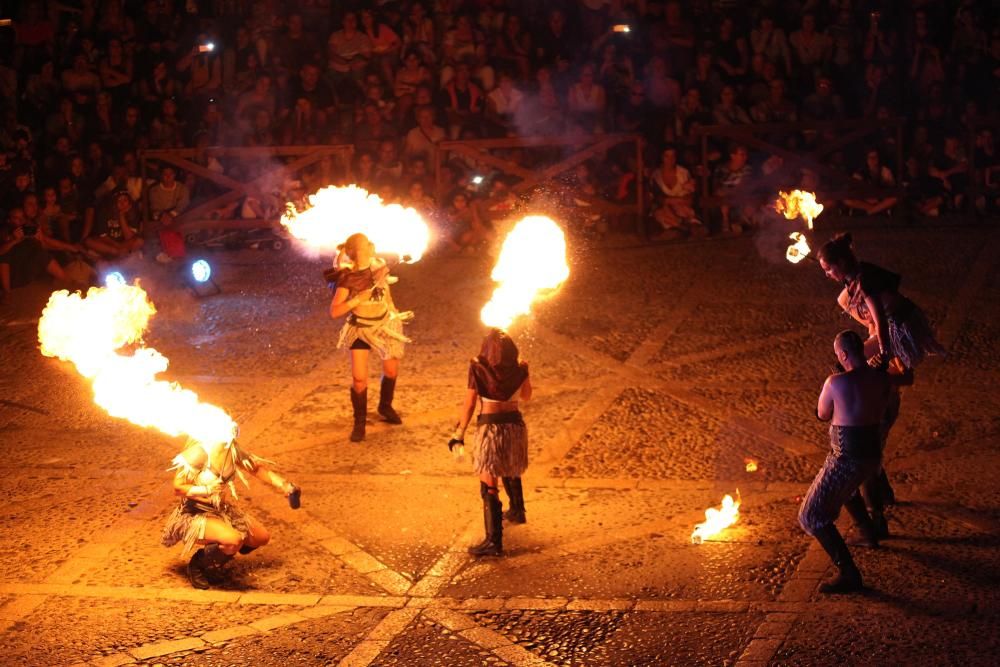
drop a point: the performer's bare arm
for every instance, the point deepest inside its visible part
(879, 320)
(468, 407)
(526, 390)
(824, 406)
(268, 476)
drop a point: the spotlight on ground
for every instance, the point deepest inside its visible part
(114, 279)
(200, 279)
(201, 271)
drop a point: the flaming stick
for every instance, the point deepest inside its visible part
(532, 261)
(335, 213)
(799, 250)
(91, 331)
(716, 520)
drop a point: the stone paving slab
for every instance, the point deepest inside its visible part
(104, 626)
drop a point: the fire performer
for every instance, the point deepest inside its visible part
(854, 402)
(899, 335)
(204, 480)
(373, 323)
(498, 378)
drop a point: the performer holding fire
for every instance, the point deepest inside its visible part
(204, 480)
(498, 379)
(854, 402)
(373, 323)
(899, 335)
(532, 263)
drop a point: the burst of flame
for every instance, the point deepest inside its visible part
(751, 465)
(334, 213)
(796, 203)
(799, 250)
(716, 520)
(532, 261)
(91, 331)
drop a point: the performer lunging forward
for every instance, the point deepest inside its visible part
(373, 323)
(498, 378)
(205, 481)
(898, 332)
(854, 402)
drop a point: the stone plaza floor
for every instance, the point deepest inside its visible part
(658, 371)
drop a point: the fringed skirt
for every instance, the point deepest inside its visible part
(187, 522)
(384, 335)
(501, 446)
(911, 334)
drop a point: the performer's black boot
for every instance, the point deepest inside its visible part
(359, 401)
(385, 408)
(212, 563)
(873, 490)
(848, 580)
(515, 513)
(867, 534)
(492, 545)
(196, 572)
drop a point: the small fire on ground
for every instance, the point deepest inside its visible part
(335, 213)
(532, 263)
(717, 520)
(751, 465)
(101, 334)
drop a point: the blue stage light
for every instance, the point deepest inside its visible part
(201, 271)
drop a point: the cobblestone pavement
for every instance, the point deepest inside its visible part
(658, 372)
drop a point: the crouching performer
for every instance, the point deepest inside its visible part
(373, 323)
(206, 515)
(498, 378)
(854, 402)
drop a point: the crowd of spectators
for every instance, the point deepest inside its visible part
(86, 85)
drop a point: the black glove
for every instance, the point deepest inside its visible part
(455, 441)
(295, 498)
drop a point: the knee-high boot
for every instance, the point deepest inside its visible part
(205, 567)
(873, 492)
(515, 513)
(386, 393)
(868, 535)
(359, 401)
(848, 579)
(492, 544)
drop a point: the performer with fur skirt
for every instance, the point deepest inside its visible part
(498, 379)
(373, 323)
(205, 482)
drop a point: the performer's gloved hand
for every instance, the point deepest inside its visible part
(294, 497)
(455, 441)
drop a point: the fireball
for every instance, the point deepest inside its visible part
(798, 202)
(101, 334)
(532, 263)
(799, 250)
(334, 213)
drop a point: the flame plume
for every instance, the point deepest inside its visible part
(799, 202)
(532, 261)
(91, 331)
(799, 250)
(716, 520)
(335, 213)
